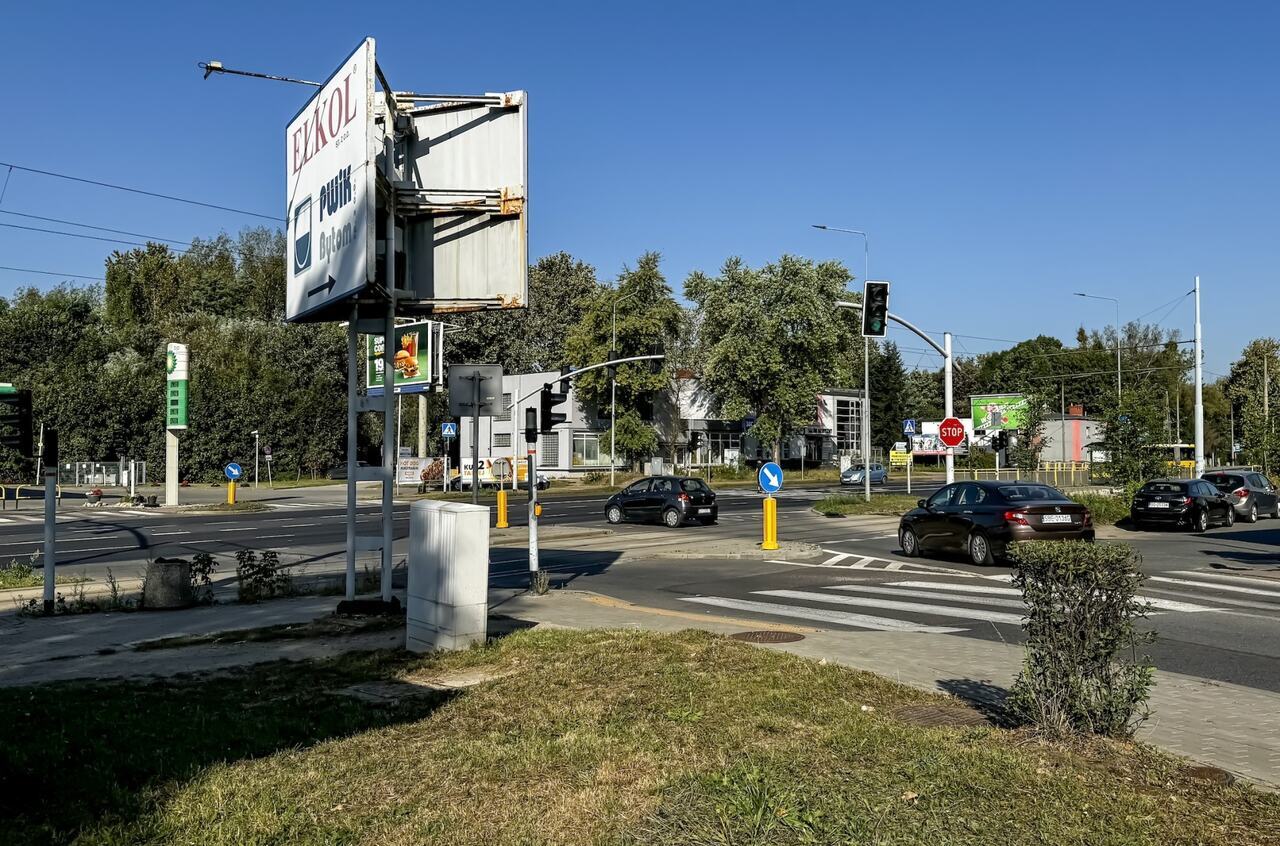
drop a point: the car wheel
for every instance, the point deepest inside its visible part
(671, 518)
(1252, 516)
(613, 514)
(979, 549)
(1231, 516)
(908, 542)
(1202, 520)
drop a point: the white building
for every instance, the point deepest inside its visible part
(581, 443)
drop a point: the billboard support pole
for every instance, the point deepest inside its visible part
(170, 467)
(389, 457)
(353, 352)
(475, 440)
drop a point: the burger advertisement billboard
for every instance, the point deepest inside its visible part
(412, 359)
(998, 411)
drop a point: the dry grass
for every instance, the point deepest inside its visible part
(581, 738)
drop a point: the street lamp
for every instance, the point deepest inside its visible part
(255, 458)
(866, 362)
(613, 392)
(1117, 304)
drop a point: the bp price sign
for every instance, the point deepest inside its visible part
(951, 432)
(176, 375)
(330, 191)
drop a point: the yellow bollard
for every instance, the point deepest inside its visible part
(537, 509)
(502, 509)
(231, 493)
(770, 523)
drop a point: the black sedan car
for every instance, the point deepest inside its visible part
(981, 519)
(1193, 503)
(675, 500)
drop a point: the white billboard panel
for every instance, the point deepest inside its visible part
(467, 222)
(330, 183)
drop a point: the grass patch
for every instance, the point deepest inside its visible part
(1106, 510)
(841, 504)
(222, 507)
(581, 737)
(331, 626)
(17, 575)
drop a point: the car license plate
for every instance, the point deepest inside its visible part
(704, 510)
(1056, 518)
(1157, 505)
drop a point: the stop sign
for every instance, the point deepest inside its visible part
(951, 432)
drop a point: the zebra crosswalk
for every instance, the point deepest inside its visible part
(958, 601)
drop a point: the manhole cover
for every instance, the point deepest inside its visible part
(937, 716)
(767, 637)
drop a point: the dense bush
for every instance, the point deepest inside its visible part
(260, 578)
(1081, 672)
(1105, 509)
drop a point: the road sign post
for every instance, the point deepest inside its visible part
(909, 431)
(233, 473)
(770, 480)
(951, 433)
(448, 431)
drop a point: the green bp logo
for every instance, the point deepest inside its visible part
(171, 361)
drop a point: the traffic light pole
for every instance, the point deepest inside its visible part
(944, 349)
(49, 458)
(579, 372)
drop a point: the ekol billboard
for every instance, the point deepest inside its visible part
(330, 184)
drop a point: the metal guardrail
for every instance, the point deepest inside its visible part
(17, 494)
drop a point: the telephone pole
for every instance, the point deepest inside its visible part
(1199, 412)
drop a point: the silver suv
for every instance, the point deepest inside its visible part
(1250, 492)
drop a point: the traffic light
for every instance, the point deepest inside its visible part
(565, 382)
(1000, 440)
(613, 368)
(15, 420)
(531, 426)
(695, 441)
(655, 364)
(50, 456)
(875, 309)
(549, 399)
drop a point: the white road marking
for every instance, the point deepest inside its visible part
(298, 525)
(241, 529)
(931, 594)
(268, 537)
(1214, 586)
(835, 559)
(1156, 602)
(888, 604)
(843, 618)
(864, 562)
(167, 534)
(1247, 580)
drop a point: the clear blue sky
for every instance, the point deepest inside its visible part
(1001, 155)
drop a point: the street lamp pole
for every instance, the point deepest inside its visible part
(255, 458)
(613, 393)
(866, 363)
(1117, 305)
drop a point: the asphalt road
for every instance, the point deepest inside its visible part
(1217, 595)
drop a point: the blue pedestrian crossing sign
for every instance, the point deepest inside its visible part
(908, 427)
(233, 471)
(449, 430)
(770, 477)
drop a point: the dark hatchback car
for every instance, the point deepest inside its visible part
(1250, 492)
(981, 519)
(1181, 502)
(675, 500)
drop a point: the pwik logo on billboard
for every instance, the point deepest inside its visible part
(302, 236)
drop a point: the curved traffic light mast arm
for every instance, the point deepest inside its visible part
(944, 350)
(557, 377)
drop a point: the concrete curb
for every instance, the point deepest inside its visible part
(786, 549)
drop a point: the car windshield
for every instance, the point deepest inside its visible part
(1032, 493)
(694, 485)
(1224, 482)
(1163, 488)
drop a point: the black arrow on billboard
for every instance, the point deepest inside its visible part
(323, 286)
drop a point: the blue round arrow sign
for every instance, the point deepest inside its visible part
(770, 477)
(233, 471)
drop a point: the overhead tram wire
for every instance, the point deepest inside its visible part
(155, 238)
(142, 192)
(82, 235)
(52, 273)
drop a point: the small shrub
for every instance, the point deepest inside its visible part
(202, 567)
(18, 574)
(259, 577)
(1081, 673)
(595, 477)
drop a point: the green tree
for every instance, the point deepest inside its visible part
(1133, 428)
(888, 395)
(772, 340)
(1251, 387)
(648, 318)
(1028, 439)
